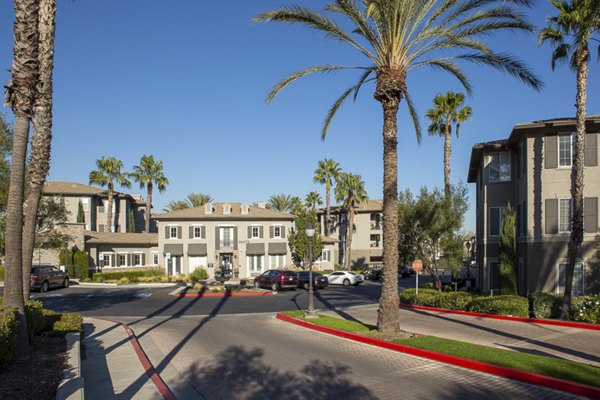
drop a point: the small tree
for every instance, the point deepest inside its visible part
(80, 214)
(131, 222)
(299, 242)
(507, 252)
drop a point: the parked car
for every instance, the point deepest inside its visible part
(319, 281)
(345, 278)
(275, 279)
(405, 272)
(44, 277)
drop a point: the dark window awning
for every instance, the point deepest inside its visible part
(197, 249)
(174, 249)
(255, 249)
(277, 248)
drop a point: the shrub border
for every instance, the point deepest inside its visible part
(232, 294)
(510, 373)
(569, 324)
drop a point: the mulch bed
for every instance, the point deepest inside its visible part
(38, 377)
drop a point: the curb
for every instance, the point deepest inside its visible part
(162, 387)
(527, 377)
(569, 324)
(233, 294)
(71, 387)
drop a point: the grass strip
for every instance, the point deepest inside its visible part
(542, 365)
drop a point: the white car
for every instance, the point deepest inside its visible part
(345, 278)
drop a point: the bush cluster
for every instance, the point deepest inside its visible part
(545, 305)
(8, 334)
(131, 276)
(515, 306)
(67, 322)
(1, 273)
(199, 274)
(586, 309)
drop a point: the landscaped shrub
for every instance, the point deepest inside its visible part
(435, 298)
(1, 273)
(199, 274)
(8, 334)
(80, 259)
(455, 300)
(516, 306)
(586, 309)
(68, 322)
(133, 276)
(545, 305)
(34, 313)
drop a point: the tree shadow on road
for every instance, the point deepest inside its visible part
(237, 373)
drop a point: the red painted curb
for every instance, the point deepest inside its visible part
(569, 324)
(235, 294)
(528, 377)
(162, 387)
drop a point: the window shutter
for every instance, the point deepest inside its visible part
(179, 232)
(166, 232)
(203, 232)
(524, 218)
(590, 219)
(591, 150)
(143, 259)
(260, 232)
(191, 232)
(283, 232)
(551, 216)
(519, 216)
(129, 259)
(249, 232)
(271, 232)
(112, 260)
(235, 238)
(217, 238)
(551, 153)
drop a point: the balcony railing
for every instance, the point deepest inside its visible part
(226, 244)
(375, 226)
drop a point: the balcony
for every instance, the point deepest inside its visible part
(226, 244)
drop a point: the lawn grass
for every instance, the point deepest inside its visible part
(547, 366)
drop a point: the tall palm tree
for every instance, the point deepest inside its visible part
(313, 199)
(20, 96)
(109, 172)
(148, 174)
(570, 33)
(350, 190)
(445, 112)
(280, 202)
(198, 199)
(397, 37)
(39, 160)
(327, 173)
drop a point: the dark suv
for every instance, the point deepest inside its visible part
(275, 279)
(44, 277)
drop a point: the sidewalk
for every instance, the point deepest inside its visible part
(574, 344)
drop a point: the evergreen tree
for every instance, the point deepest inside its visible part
(507, 252)
(80, 214)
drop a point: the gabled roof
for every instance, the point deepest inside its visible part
(365, 206)
(149, 239)
(70, 188)
(199, 213)
(477, 152)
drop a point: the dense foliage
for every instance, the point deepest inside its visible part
(507, 252)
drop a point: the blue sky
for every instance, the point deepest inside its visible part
(186, 81)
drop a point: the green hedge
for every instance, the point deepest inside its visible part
(586, 309)
(434, 298)
(80, 259)
(199, 274)
(67, 322)
(1, 273)
(545, 305)
(36, 321)
(8, 334)
(133, 276)
(516, 306)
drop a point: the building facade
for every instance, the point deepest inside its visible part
(531, 171)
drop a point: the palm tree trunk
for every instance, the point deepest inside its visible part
(577, 179)
(148, 207)
(328, 201)
(389, 302)
(447, 150)
(39, 163)
(349, 231)
(109, 214)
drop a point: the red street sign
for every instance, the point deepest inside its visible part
(417, 265)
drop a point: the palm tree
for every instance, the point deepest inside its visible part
(20, 96)
(198, 199)
(577, 21)
(280, 202)
(148, 174)
(397, 37)
(313, 199)
(350, 190)
(109, 172)
(176, 206)
(327, 172)
(39, 160)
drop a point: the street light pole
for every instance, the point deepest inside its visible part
(311, 312)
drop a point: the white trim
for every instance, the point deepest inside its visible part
(572, 136)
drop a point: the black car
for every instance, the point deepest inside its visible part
(319, 281)
(276, 280)
(44, 277)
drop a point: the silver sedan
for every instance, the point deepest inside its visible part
(345, 278)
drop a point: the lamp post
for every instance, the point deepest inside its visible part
(311, 312)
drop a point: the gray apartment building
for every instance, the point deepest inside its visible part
(531, 171)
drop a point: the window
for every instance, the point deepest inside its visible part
(500, 167)
(197, 232)
(494, 272)
(255, 232)
(137, 259)
(566, 149)
(578, 279)
(564, 215)
(122, 260)
(173, 232)
(495, 221)
(277, 231)
(154, 258)
(105, 260)
(85, 202)
(277, 261)
(375, 221)
(255, 263)
(326, 255)
(375, 240)
(226, 237)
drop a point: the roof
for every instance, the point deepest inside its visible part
(199, 213)
(149, 239)
(477, 152)
(329, 240)
(70, 188)
(365, 206)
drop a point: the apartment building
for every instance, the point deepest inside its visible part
(245, 239)
(531, 171)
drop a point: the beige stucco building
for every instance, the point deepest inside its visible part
(531, 170)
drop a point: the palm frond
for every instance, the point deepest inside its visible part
(337, 104)
(560, 53)
(452, 68)
(361, 81)
(350, 9)
(414, 116)
(508, 64)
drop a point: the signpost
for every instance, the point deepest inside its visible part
(417, 266)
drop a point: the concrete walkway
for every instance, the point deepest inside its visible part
(574, 344)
